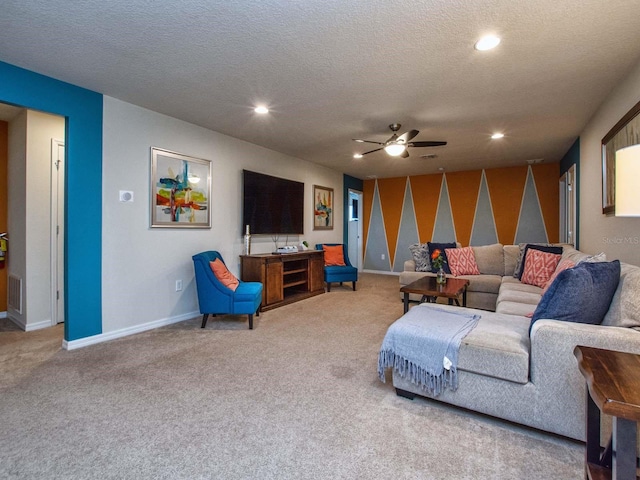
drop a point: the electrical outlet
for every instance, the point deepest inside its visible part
(382, 257)
(178, 285)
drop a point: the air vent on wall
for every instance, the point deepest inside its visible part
(14, 299)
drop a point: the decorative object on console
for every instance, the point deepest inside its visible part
(247, 241)
(462, 261)
(180, 190)
(322, 208)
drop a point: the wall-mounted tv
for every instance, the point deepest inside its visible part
(272, 205)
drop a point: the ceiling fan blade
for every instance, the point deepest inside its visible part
(426, 144)
(405, 154)
(371, 151)
(405, 137)
(366, 141)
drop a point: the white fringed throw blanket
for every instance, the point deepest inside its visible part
(423, 345)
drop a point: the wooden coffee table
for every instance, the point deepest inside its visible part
(430, 290)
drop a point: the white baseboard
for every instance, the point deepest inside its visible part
(381, 272)
(28, 327)
(125, 332)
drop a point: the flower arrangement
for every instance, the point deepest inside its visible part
(437, 260)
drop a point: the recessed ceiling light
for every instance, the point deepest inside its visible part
(487, 43)
(359, 141)
(357, 155)
(261, 109)
(496, 136)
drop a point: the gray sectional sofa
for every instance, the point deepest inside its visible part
(530, 378)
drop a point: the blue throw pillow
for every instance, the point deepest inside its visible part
(580, 294)
(542, 248)
(441, 247)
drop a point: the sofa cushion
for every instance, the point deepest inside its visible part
(533, 246)
(538, 267)
(442, 247)
(581, 294)
(527, 298)
(625, 308)
(490, 259)
(420, 254)
(510, 283)
(511, 253)
(516, 308)
(462, 261)
(498, 346)
(483, 283)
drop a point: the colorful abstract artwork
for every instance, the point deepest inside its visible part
(322, 208)
(180, 190)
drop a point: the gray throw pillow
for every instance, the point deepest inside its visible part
(581, 294)
(420, 253)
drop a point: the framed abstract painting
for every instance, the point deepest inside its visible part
(180, 190)
(322, 208)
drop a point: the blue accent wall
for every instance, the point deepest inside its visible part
(352, 183)
(83, 203)
(572, 157)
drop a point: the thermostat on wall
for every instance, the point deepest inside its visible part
(126, 196)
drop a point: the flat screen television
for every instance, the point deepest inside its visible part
(272, 205)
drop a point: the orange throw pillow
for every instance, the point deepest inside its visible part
(538, 267)
(333, 256)
(223, 274)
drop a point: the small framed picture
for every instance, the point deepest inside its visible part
(180, 190)
(322, 208)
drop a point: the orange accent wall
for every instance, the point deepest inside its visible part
(549, 197)
(463, 196)
(4, 154)
(425, 190)
(391, 199)
(506, 187)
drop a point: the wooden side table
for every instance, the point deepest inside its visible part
(430, 290)
(613, 384)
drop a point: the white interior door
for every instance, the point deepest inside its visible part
(57, 231)
(355, 228)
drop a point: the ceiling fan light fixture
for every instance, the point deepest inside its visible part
(487, 43)
(357, 155)
(497, 135)
(395, 149)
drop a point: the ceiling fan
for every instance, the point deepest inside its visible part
(397, 146)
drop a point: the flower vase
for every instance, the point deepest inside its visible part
(441, 278)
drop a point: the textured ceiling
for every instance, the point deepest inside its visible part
(331, 70)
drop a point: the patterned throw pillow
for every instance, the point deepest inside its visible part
(420, 254)
(538, 267)
(462, 261)
(563, 265)
(525, 247)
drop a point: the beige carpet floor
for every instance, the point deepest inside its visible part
(296, 398)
